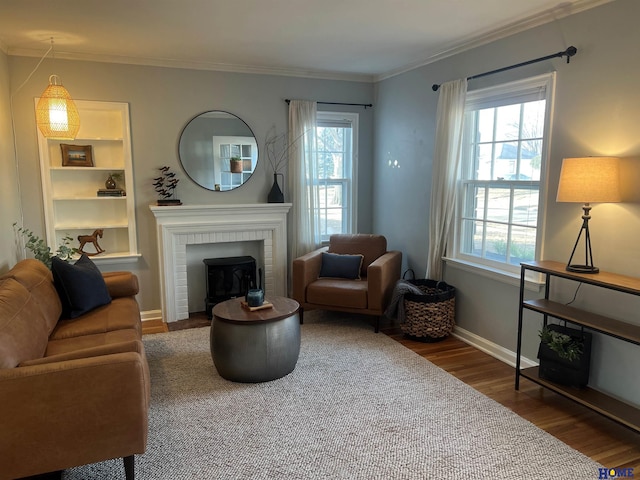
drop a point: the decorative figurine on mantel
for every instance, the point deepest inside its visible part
(165, 185)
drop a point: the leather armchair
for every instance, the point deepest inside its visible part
(369, 295)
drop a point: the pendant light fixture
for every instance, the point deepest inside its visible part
(56, 113)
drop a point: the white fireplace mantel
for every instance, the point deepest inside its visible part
(182, 225)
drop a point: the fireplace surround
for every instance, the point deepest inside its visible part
(179, 226)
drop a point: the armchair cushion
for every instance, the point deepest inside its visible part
(338, 292)
(341, 265)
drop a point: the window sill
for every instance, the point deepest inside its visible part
(533, 280)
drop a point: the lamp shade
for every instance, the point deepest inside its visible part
(589, 180)
(57, 116)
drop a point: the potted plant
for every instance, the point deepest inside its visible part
(565, 355)
(41, 251)
(235, 165)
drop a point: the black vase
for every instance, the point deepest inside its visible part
(275, 194)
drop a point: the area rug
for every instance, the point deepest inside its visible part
(357, 406)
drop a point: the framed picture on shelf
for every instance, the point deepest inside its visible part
(76, 155)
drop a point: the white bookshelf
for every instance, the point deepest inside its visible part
(71, 204)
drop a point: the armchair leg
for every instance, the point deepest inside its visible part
(301, 314)
(129, 467)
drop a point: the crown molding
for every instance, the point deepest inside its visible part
(548, 16)
(523, 24)
(195, 65)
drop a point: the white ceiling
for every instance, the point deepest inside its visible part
(355, 39)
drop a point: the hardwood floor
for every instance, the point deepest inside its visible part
(595, 436)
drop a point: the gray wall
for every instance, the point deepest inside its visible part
(597, 112)
(162, 101)
(9, 196)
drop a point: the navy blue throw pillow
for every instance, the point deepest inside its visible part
(341, 266)
(80, 286)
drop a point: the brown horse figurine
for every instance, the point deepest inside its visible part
(93, 238)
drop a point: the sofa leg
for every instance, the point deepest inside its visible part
(129, 467)
(378, 324)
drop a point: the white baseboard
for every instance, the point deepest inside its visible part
(493, 349)
(151, 315)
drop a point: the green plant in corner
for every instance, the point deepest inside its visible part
(567, 347)
(41, 251)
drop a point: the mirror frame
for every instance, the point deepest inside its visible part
(189, 169)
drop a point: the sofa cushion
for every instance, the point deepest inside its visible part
(23, 331)
(338, 292)
(121, 313)
(66, 345)
(80, 286)
(341, 266)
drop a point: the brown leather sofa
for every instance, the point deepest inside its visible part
(72, 392)
(370, 294)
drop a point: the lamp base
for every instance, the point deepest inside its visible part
(582, 269)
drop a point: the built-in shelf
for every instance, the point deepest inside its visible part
(610, 407)
(70, 193)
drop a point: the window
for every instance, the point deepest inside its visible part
(336, 140)
(503, 162)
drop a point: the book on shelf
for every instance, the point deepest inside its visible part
(111, 192)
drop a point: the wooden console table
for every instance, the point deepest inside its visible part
(621, 412)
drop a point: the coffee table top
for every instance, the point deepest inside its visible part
(231, 311)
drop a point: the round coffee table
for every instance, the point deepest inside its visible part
(255, 346)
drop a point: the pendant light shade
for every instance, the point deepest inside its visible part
(56, 113)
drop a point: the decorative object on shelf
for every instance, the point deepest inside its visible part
(235, 165)
(565, 355)
(165, 185)
(92, 239)
(588, 180)
(110, 183)
(41, 251)
(76, 155)
(275, 194)
(108, 192)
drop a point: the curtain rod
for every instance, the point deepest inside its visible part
(365, 105)
(569, 52)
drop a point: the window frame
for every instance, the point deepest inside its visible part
(515, 92)
(349, 185)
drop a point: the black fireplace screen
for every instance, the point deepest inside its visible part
(228, 277)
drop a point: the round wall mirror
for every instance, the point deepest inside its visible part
(218, 150)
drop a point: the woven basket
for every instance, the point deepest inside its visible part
(429, 317)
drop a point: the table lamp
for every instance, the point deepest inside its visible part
(588, 180)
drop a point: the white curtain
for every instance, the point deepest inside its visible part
(446, 164)
(302, 174)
